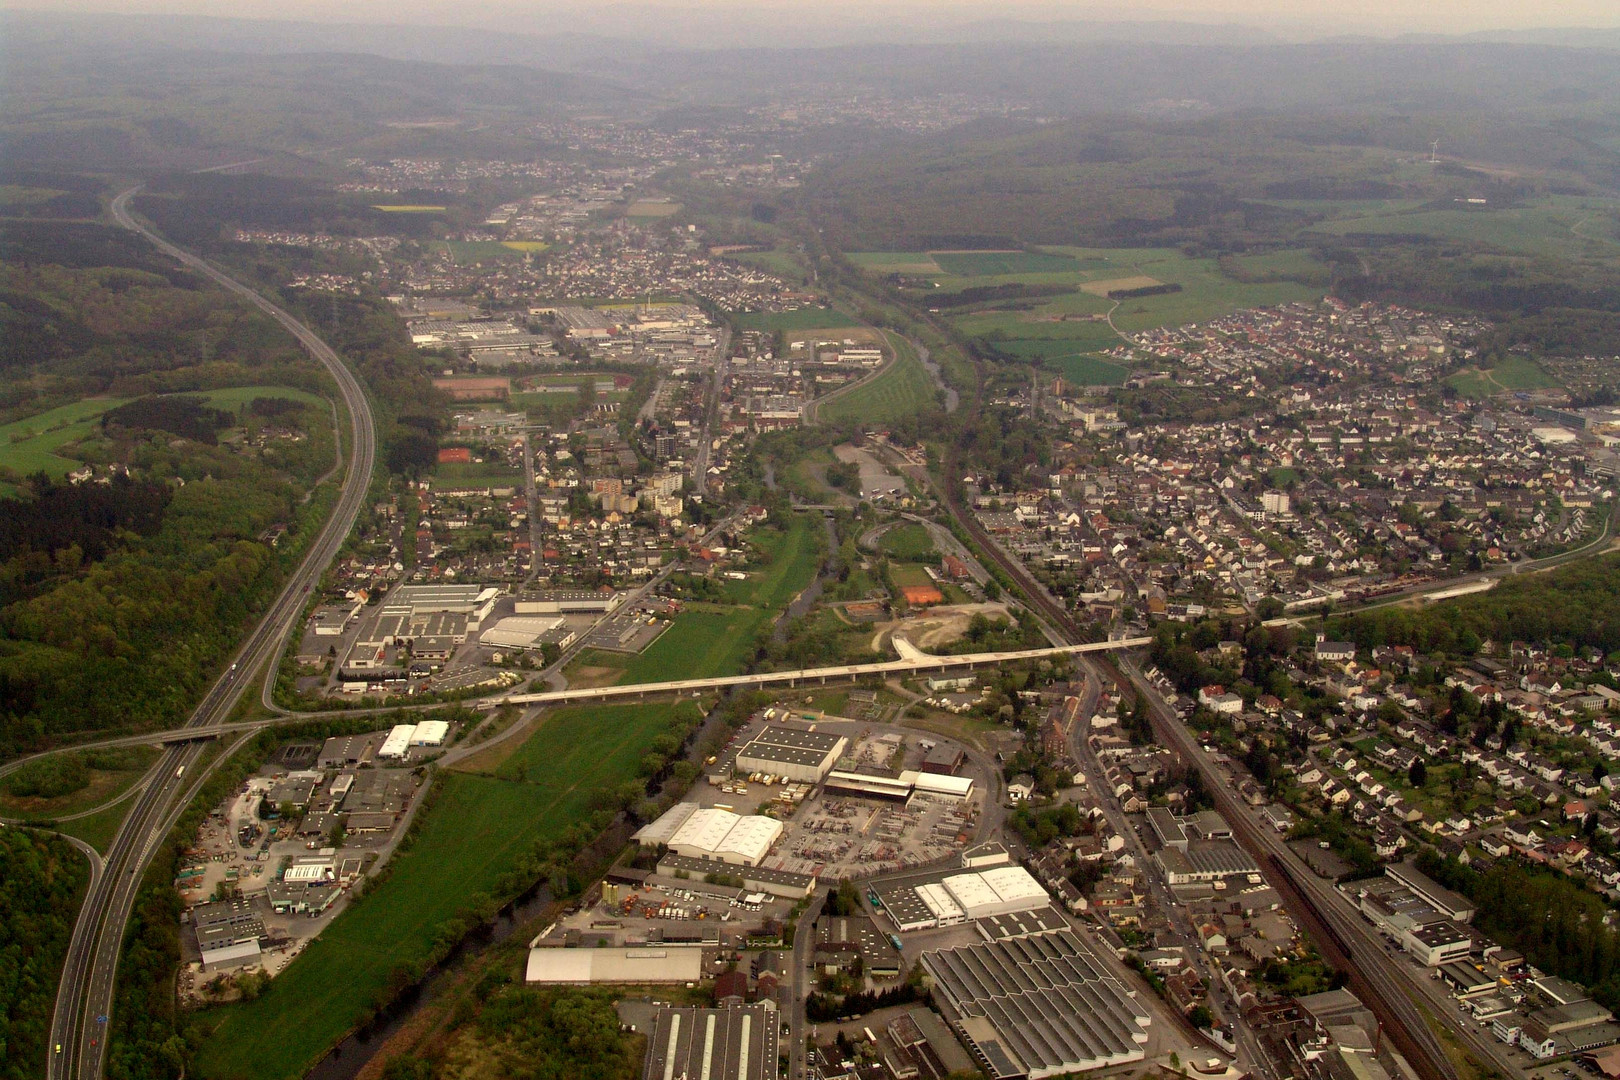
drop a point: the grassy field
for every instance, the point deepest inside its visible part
(1296, 263)
(407, 208)
(909, 543)
(236, 397)
(901, 389)
(708, 640)
(1077, 367)
(775, 261)
(1558, 225)
(525, 245)
(895, 262)
(1206, 292)
(98, 829)
(802, 319)
(906, 577)
(1002, 263)
(29, 446)
(476, 831)
(1513, 373)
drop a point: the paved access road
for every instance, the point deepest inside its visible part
(84, 998)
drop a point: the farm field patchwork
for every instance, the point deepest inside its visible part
(1075, 318)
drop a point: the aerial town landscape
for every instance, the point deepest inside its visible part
(657, 552)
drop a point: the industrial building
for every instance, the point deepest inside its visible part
(900, 788)
(1207, 861)
(229, 934)
(712, 834)
(1038, 1005)
(841, 940)
(1451, 904)
(398, 743)
(1430, 936)
(784, 883)
(642, 964)
(567, 602)
(726, 837)
(794, 753)
(527, 632)
(430, 733)
(734, 1043)
(1001, 890)
(959, 898)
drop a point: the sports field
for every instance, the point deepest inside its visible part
(901, 389)
(477, 831)
(909, 543)
(471, 251)
(653, 208)
(1513, 373)
(908, 576)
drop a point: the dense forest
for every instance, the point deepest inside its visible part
(41, 879)
(1577, 605)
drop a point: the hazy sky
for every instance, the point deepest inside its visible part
(1293, 17)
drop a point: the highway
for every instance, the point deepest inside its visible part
(85, 995)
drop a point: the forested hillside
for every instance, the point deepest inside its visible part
(121, 594)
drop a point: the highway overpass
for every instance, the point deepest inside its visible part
(920, 663)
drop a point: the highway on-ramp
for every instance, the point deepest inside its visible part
(84, 999)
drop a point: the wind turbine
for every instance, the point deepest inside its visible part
(1434, 152)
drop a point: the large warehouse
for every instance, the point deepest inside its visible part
(795, 753)
(713, 834)
(644, 964)
(1037, 1006)
(1002, 890)
(737, 1043)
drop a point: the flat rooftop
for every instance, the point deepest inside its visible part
(1043, 1002)
(736, 1043)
